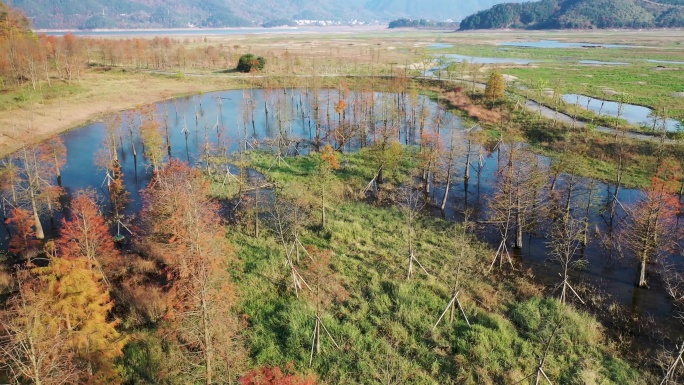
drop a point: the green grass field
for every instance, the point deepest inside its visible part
(384, 326)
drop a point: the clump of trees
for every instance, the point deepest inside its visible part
(58, 326)
(421, 23)
(250, 63)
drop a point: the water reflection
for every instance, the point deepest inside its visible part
(633, 114)
(228, 121)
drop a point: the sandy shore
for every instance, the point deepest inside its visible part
(103, 94)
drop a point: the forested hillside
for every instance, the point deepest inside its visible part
(583, 14)
(231, 13)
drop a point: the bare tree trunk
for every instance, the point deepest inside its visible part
(31, 174)
(642, 272)
(322, 209)
(208, 348)
(446, 188)
(466, 175)
(518, 223)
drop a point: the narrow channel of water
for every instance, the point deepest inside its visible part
(633, 114)
(603, 63)
(664, 61)
(485, 60)
(560, 44)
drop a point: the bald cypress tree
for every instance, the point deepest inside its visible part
(496, 86)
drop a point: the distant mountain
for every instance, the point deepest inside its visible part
(92, 14)
(584, 14)
(438, 10)
(128, 13)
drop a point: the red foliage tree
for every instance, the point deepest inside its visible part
(86, 234)
(53, 156)
(23, 240)
(651, 228)
(267, 375)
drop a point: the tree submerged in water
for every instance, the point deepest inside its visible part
(250, 63)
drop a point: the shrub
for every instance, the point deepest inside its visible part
(250, 63)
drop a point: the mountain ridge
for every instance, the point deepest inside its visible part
(579, 14)
(94, 14)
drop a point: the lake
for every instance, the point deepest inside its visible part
(177, 32)
(221, 122)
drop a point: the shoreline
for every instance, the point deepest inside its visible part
(215, 31)
(31, 125)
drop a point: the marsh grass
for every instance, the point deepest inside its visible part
(642, 84)
(385, 326)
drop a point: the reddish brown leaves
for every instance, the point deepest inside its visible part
(182, 229)
(23, 241)
(275, 376)
(86, 234)
(325, 283)
(651, 226)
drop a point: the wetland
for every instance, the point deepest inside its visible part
(356, 198)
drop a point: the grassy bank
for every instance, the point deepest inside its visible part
(384, 323)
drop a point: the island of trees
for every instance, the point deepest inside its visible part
(422, 23)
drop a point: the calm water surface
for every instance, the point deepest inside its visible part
(633, 114)
(560, 44)
(187, 32)
(486, 60)
(223, 121)
(603, 63)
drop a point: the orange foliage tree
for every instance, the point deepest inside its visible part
(23, 241)
(59, 320)
(86, 234)
(651, 228)
(182, 229)
(82, 304)
(328, 163)
(53, 156)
